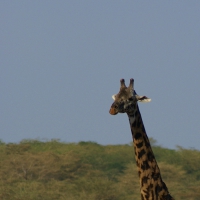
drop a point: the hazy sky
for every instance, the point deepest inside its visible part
(61, 61)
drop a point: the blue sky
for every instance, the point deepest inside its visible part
(61, 61)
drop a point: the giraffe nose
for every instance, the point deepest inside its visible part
(112, 111)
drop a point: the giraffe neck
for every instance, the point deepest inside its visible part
(151, 185)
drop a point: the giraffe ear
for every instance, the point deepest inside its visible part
(143, 99)
(114, 96)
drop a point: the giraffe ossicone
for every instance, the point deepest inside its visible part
(132, 92)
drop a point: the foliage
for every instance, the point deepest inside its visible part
(49, 170)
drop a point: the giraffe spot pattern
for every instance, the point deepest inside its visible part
(139, 145)
(145, 165)
(147, 144)
(137, 135)
(141, 153)
(150, 157)
(144, 180)
(155, 176)
(134, 124)
(138, 123)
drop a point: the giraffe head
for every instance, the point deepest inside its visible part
(126, 100)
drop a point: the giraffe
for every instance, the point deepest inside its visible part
(152, 186)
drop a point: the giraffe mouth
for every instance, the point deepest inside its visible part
(112, 111)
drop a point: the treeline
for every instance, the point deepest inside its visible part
(53, 170)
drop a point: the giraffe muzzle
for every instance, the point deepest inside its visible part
(112, 111)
